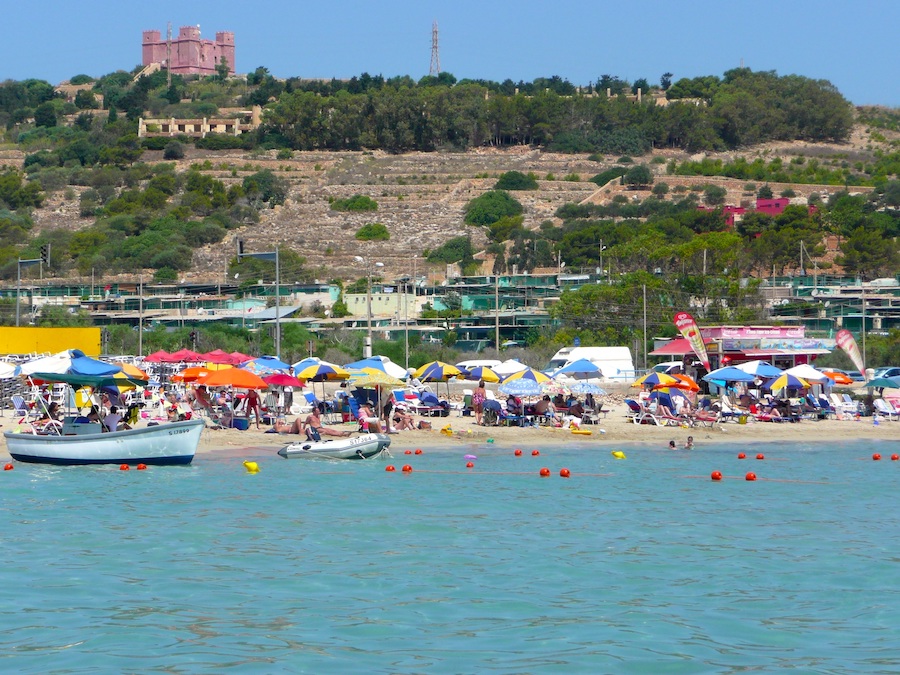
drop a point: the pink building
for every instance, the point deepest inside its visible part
(189, 54)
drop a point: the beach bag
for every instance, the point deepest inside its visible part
(424, 425)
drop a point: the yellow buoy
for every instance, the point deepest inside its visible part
(252, 467)
(618, 454)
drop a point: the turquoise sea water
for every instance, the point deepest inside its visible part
(635, 566)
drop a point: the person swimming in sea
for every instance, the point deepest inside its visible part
(689, 444)
(671, 445)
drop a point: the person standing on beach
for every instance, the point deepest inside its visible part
(478, 398)
(252, 403)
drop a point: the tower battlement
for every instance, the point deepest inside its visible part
(188, 53)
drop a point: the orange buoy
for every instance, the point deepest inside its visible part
(535, 453)
(876, 457)
(141, 467)
(407, 452)
(565, 473)
(418, 451)
(716, 475)
(390, 467)
(8, 467)
(406, 468)
(750, 476)
(894, 458)
(545, 472)
(760, 456)
(469, 465)
(124, 467)
(741, 455)
(518, 453)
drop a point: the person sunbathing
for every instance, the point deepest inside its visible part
(312, 423)
(403, 421)
(368, 416)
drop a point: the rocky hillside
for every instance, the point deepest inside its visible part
(420, 198)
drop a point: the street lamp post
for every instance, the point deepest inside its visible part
(23, 263)
(406, 310)
(367, 348)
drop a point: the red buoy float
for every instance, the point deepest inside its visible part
(518, 453)
(390, 467)
(418, 451)
(407, 452)
(876, 457)
(716, 475)
(760, 456)
(406, 468)
(545, 472)
(8, 467)
(894, 458)
(565, 473)
(741, 455)
(535, 453)
(750, 476)
(469, 465)
(141, 467)
(124, 467)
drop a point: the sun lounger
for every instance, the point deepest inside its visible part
(885, 409)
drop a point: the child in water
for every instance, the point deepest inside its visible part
(689, 445)
(671, 445)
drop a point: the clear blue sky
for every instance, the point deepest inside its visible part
(852, 44)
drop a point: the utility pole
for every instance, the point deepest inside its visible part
(497, 312)
(141, 318)
(169, 55)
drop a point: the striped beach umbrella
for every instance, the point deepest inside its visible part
(480, 373)
(437, 371)
(528, 374)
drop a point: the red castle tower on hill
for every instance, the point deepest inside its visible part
(188, 54)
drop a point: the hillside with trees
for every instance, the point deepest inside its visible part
(507, 166)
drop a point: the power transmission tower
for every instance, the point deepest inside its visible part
(435, 68)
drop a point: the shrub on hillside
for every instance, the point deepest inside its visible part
(516, 180)
(609, 174)
(355, 203)
(373, 232)
(491, 207)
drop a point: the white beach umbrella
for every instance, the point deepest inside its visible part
(808, 373)
(509, 367)
(55, 363)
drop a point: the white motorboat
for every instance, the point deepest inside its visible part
(366, 446)
(171, 443)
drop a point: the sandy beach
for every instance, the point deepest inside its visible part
(616, 429)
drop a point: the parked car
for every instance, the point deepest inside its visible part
(854, 375)
(887, 371)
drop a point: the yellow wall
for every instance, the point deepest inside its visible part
(32, 340)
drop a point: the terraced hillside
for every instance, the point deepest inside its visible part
(420, 200)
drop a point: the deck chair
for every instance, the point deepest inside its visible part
(884, 408)
(363, 426)
(640, 415)
(850, 405)
(22, 410)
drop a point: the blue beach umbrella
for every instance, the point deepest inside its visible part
(265, 365)
(760, 368)
(728, 374)
(520, 387)
(587, 388)
(582, 369)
